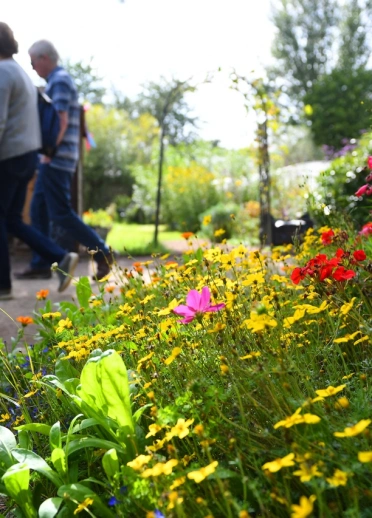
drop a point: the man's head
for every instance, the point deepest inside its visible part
(44, 57)
(8, 45)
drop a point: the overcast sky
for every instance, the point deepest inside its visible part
(141, 40)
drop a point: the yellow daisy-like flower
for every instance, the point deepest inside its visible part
(56, 314)
(344, 310)
(181, 429)
(307, 472)
(63, 324)
(330, 391)
(277, 464)
(297, 418)
(304, 508)
(202, 473)
(154, 429)
(354, 430)
(166, 311)
(160, 469)
(346, 338)
(260, 322)
(207, 219)
(365, 456)
(139, 462)
(83, 505)
(175, 352)
(339, 478)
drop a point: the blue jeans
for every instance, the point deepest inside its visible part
(15, 173)
(52, 202)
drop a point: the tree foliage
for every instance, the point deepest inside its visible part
(88, 82)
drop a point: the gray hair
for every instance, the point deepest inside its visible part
(44, 48)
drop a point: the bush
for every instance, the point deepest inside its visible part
(338, 184)
(188, 191)
(218, 222)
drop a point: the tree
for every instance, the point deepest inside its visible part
(354, 49)
(304, 41)
(88, 82)
(166, 102)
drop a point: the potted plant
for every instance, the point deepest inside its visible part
(100, 220)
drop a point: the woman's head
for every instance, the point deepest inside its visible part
(8, 45)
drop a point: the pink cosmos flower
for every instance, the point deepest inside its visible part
(366, 230)
(369, 162)
(365, 189)
(196, 304)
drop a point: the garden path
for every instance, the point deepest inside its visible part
(24, 292)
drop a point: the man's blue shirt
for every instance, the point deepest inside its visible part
(62, 90)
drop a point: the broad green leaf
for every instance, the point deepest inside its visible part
(80, 492)
(7, 439)
(64, 370)
(139, 412)
(110, 463)
(16, 480)
(24, 440)
(55, 439)
(104, 387)
(50, 507)
(68, 306)
(59, 461)
(33, 461)
(86, 423)
(44, 429)
(92, 442)
(83, 291)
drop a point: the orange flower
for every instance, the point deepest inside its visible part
(187, 235)
(25, 321)
(138, 267)
(110, 289)
(42, 294)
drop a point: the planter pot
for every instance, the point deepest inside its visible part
(102, 231)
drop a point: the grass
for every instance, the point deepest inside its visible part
(133, 239)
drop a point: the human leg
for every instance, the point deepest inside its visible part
(40, 221)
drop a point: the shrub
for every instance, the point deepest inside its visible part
(188, 191)
(218, 222)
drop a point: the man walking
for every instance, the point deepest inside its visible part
(52, 194)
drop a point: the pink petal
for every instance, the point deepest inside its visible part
(184, 311)
(205, 299)
(217, 307)
(193, 300)
(186, 320)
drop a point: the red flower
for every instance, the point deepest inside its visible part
(327, 237)
(369, 162)
(359, 255)
(298, 274)
(341, 274)
(365, 189)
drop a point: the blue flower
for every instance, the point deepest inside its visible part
(158, 514)
(113, 501)
(123, 490)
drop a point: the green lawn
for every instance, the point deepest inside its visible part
(133, 239)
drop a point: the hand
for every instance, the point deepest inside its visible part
(45, 159)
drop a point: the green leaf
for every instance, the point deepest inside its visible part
(83, 291)
(16, 480)
(139, 412)
(68, 306)
(33, 461)
(44, 429)
(80, 492)
(7, 444)
(64, 370)
(59, 461)
(92, 442)
(24, 440)
(105, 388)
(110, 463)
(86, 423)
(55, 439)
(50, 507)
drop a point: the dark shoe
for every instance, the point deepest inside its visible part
(66, 269)
(34, 273)
(6, 294)
(103, 267)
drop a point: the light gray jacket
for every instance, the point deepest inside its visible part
(19, 117)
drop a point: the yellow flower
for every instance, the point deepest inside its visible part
(339, 478)
(307, 472)
(305, 507)
(297, 418)
(139, 461)
(176, 352)
(342, 402)
(154, 429)
(56, 314)
(254, 278)
(166, 311)
(354, 430)
(250, 355)
(207, 219)
(177, 482)
(346, 338)
(63, 324)
(4, 418)
(174, 500)
(219, 232)
(202, 473)
(330, 391)
(277, 464)
(344, 310)
(365, 456)
(181, 429)
(83, 505)
(160, 469)
(260, 322)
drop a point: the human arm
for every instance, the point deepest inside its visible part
(63, 121)
(4, 103)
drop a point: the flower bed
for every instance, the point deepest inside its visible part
(233, 384)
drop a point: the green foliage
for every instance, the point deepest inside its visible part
(87, 81)
(341, 105)
(218, 222)
(188, 191)
(98, 218)
(337, 187)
